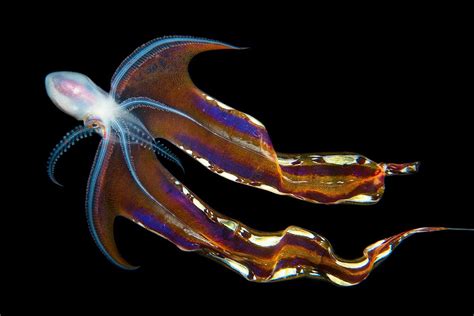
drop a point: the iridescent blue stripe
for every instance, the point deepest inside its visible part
(246, 127)
(238, 168)
(231, 120)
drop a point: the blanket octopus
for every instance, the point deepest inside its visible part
(151, 94)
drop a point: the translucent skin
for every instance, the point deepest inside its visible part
(76, 95)
(127, 180)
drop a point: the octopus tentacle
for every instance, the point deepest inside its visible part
(142, 54)
(126, 146)
(400, 168)
(137, 133)
(192, 225)
(100, 216)
(100, 219)
(68, 140)
(155, 85)
(132, 103)
(301, 253)
(167, 153)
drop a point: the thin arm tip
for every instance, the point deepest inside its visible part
(400, 168)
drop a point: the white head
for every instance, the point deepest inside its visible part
(76, 95)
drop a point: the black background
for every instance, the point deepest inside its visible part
(386, 85)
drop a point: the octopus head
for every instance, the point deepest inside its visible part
(76, 95)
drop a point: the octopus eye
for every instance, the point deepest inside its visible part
(95, 125)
